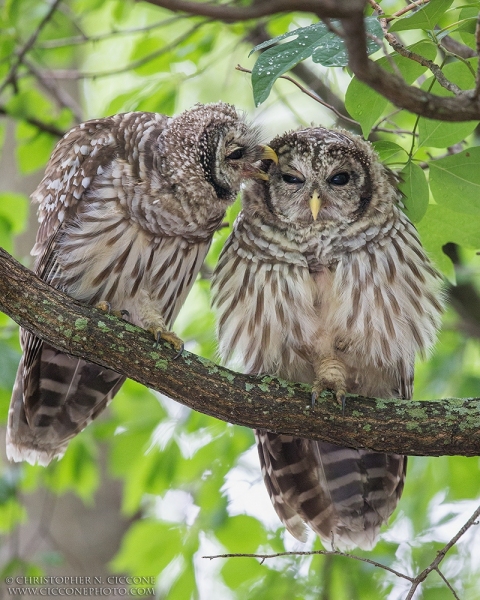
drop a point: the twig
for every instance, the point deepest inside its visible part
(403, 51)
(477, 44)
(12, 74)
(264, 557)
(433, 566)
(77, 75)
(395, 131)
(415, 581)
(308, 93)
(447, 583)
(63, 99)
(408, 8)
(457, 49)
(83, 39)
(41, 125)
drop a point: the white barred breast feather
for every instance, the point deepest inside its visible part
(127, 210)
(324, 281)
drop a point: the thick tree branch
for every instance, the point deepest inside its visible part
(435, 428)
(464, 106)
(230, 13)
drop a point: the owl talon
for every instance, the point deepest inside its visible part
(105, 306)
(314, 398)
(170, 337)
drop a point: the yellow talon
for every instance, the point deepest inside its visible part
(170, 337)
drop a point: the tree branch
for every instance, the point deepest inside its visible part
(41, 125)
(434, 428)
(464, 106)
(264, 8)
(12, 74)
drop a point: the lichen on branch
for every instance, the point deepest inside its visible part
(429, 428)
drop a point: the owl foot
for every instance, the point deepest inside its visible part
(107, 307)
(330, 374)
(341, 395)
(169, 336)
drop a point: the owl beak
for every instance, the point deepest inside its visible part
(315, 204)
(260, 175)
(268, 153)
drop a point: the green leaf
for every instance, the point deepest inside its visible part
(441, 226)
(77, 471)
(237, 574)
(467, 28)
(440, 134)
(316, 41)
(414, 186)
(9, 359)
(389, 152)
(34, 147)
(241, 534)
(185, 585)
(455, 181)
(147, 548)
(14, 208)
(149, 52)
(425, 18)
(365, 105)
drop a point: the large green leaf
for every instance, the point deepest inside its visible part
(389, 152)
(148, 547)
(425, 18)
(414, 186)
(241, 534)
(441, 226)
(455, 181)
(316, 41)
(440, 134)
(14, 208)
(365, 105)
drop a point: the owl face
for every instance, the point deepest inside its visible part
(234, 154)
(321, 175)
(212, 144)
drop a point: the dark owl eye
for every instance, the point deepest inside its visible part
(236, 154)
(291, 178)
(339, 179)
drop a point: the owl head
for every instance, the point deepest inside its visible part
(215, 143)
(325, 175)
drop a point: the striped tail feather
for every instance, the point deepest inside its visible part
(55, 396)
(343, 494)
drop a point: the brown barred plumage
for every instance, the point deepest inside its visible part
(324, 281)
(127, 209)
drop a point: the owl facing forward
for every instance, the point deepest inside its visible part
(324, 281)
(127, 209)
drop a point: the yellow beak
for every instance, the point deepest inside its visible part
(315, 204)
(268, 154)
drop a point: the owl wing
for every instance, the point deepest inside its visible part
(83, 153)
(56, 395)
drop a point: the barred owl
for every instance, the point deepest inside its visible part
(127, 210)
(324, 281)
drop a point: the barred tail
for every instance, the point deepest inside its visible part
(343, 494)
